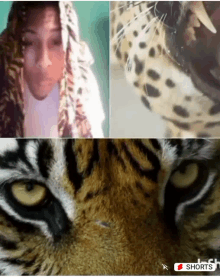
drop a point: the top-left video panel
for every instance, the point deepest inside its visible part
(54, 68)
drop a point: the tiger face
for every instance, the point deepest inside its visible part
(106, 206)
(169, 51)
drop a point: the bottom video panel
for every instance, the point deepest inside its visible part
(109, 207)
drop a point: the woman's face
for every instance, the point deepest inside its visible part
(43, 54)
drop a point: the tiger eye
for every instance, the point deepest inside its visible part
(28, 194)
(184, 177)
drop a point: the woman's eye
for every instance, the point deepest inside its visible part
(28, 43)
(57, 42)
(29, 194)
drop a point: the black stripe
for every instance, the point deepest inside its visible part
(20, 226)
(30, 263)
(155, 144)
(50, 270)
(10, 158)
(152, 174)
(212, 253)
(112, 150)
(36, 270)
(177, 143)
(214, 223)
(45, 157)
(191, 142)
(174, 197)
(7, 244)
(139, 186)
(75, 177)
(58, 272)
(15, 261)
(94, 158)
(92, 194)
(153, 159)
(199, 142)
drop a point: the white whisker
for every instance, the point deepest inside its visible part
(155, 7)
(160, 30)
(147, 27)
(156, 28)
(119, 7)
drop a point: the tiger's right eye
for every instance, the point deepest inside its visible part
(29, 194)
(185, 176)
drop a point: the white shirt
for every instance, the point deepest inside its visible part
(41, 117)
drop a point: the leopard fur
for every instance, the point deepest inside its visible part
(142, 44)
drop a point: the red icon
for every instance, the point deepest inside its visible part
(180, 266)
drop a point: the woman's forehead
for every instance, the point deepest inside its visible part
(43, 17)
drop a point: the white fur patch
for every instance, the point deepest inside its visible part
(31, 153)
(167, 159)
(10, 270)
(57, 171)
(8, 144)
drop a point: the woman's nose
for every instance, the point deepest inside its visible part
(43, 58)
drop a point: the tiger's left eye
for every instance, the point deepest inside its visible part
(29, 194)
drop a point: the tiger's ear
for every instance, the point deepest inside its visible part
(188, 186)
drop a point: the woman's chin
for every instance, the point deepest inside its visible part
(41, 93)
(39, 97)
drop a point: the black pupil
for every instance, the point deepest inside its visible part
(29, 187)
(182, 168)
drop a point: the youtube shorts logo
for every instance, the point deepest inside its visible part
(194, 267)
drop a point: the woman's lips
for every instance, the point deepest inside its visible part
(45, 82)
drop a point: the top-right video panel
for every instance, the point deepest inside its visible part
(168, 52)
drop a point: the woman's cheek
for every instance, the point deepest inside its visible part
(58, 61)
(29, 57)
(58, 56)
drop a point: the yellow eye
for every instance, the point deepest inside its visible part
(185, 175)
(28, 194)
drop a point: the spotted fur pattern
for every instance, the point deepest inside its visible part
(105, 214)
(139, 42)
